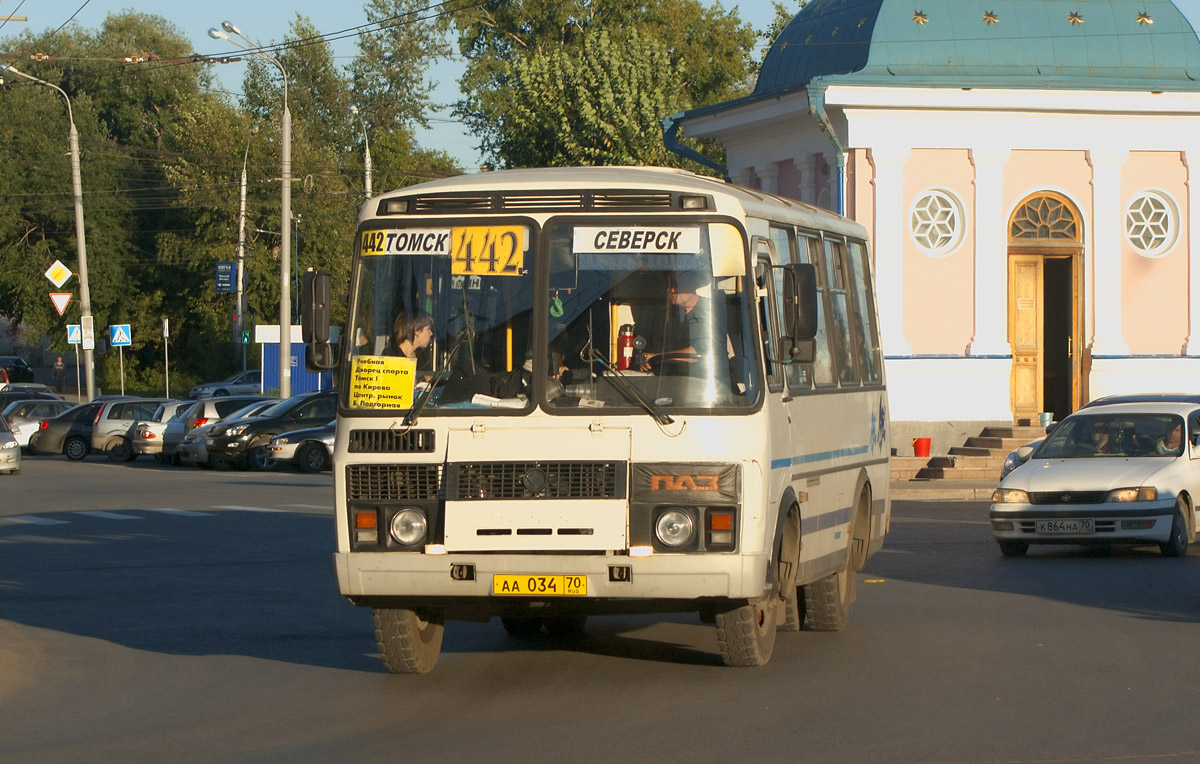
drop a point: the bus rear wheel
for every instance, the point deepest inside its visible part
(746, 634)
(409, 641)
(827, 600)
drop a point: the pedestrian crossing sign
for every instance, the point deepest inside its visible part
(74, 334)
(119, 335)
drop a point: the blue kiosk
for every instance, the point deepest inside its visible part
(303, 380)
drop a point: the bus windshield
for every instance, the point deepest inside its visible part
(637, 317)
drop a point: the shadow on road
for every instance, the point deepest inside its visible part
(951, 544)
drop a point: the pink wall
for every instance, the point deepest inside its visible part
(1154, 291)
(939, 292)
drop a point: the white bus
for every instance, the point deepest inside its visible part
(570, 392)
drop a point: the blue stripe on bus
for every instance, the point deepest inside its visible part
(778, 464)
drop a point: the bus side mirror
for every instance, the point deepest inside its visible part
(314, 320)
(799, 312)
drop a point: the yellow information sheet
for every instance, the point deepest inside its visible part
(382, 382)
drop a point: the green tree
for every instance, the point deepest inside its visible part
(708, 50)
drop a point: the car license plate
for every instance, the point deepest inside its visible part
(1066, 526)
(533, 585)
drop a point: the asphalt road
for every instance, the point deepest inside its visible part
(150, 614)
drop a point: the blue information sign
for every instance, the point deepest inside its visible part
(226, 276)
(119, 335)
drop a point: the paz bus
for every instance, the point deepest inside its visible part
(607, 390)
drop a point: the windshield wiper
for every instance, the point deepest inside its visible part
(625, 386)
(465, 336)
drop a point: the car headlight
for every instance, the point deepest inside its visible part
(1010, 496)
(1145, 493)
(409, 526)
(280, 441)
(675, 528)
(236, 430)
(1010, 464)
(9, 444)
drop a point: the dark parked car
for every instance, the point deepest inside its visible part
(247, 441)
(69, 433)
(8, 397)
(15, 369)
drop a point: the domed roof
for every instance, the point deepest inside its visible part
(1069, 44)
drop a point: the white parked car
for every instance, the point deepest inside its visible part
(10, 452)
(242, 383)
(1117, 473)
(309, 449)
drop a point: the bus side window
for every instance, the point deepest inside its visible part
(798, 377)
(867, 345)
(766, 318)
(837, 290)
(822, 365)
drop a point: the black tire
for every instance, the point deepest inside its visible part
(75, 448)
(121, 451)
(1013, 548)
(827, 600)
(312, 457)
(409, 642)
(1177, 544)
(259, 460)
(521, 626)
(566, 625)
(746, 633)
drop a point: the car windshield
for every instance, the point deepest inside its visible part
(1107, 435)
(254, 409)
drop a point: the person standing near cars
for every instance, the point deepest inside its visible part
(59, 372)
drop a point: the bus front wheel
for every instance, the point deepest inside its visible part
(409, 641)
(746, 634)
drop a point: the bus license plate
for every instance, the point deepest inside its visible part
(1066, 526)
(532, 585)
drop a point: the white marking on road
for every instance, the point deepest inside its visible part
(36, 520)
(248, 509)
(181, 512)
(109, 515)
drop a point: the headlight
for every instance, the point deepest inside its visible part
(1009, 496)
(9, 444)
(1145, 493)
(280, 441)
(409, 527)
(1010, 464)
(675, 528)
(236, 430)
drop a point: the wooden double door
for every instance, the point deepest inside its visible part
(1045, 328)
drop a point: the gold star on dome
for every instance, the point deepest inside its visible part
(919, 18)
(1144, 19)
(990, 18)
(1075, 18)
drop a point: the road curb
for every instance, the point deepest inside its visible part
(939, 491)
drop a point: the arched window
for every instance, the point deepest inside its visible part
(1047, 216)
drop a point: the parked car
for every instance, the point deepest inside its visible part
(210, 410)
(7, 397)
(31, 387)
(309, 450)
(245, 441)
(25, 416)
(193, 448)
(240, 383)
(1117, 473)
(69, 433)
(160, 435)
(112, 432)
(10, 452)
(13, 368)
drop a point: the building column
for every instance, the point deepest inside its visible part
(768, 176)
(742, 177)
(1191, 346)
(808, 173)
(1108, 232)
(889, 247)
(991, 255)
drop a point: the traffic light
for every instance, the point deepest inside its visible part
(245, 336)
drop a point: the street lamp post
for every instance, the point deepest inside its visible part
(241, 251)
(285, 243)
(85, 296)
(366, 150)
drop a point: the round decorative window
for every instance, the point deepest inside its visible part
(1151, 225)
(936, 222)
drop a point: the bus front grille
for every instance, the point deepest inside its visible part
(393, 482)
(536, 480)
(389, 442)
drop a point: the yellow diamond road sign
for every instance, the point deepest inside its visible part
(58, 274)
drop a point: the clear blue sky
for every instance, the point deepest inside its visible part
(267, 20)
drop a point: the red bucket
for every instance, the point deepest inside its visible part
(921, 446)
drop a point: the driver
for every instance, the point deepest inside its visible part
(689, 335)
